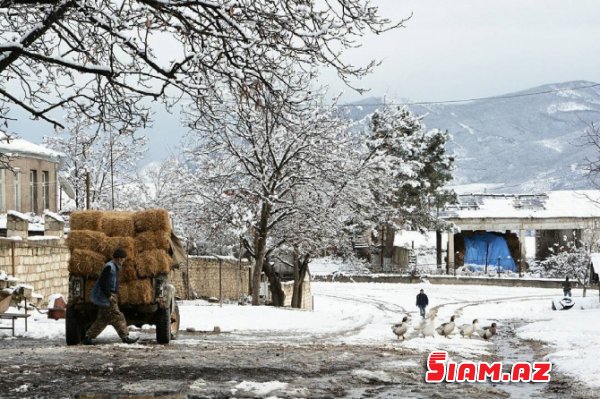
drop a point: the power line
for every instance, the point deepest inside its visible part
(503, 97)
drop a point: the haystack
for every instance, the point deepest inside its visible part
(152, 263)
(136, 292)
(117, 224)
(85, 220)
(150, 240)
(128, 271)
(86, 263)
(110, 244)
(152, 220)
(86, 239)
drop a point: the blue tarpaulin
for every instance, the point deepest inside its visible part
(488, 248)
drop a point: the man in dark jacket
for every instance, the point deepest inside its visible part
(567, 287)
(105, 296)
(422, 302)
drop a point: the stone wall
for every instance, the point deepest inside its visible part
(42, 264)
(205, 280)
(307, 300)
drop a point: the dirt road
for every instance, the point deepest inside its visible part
(257, 365)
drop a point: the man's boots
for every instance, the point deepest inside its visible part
(129, 340)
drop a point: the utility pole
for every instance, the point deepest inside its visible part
(112, 176)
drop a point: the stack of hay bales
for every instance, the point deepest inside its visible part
(144, 235)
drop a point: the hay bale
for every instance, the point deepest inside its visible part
(152, 220)
(128, 271)
(137, 292)
(117, 224)
(110, 244)
(86, 263)
(86, 239)
(150, 240)
(85, 220)
(152, 263)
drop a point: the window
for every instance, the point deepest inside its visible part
(46, 189)
(2, 190)
(33, 191)
(17, 192)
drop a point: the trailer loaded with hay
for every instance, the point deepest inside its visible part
(145, 295)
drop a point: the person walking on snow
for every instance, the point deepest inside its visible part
(567, 287)
(105, 295)
(422, 302)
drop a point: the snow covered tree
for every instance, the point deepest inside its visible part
(101, 159)
(410, 168)
(572, 259)
(58, 54)
(254, 158)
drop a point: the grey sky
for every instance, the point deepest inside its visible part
(451, 49)
(474, 48)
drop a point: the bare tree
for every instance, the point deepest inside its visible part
(57, 54)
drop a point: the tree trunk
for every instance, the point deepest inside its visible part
(277, 294)
(584, 290)
(260, 249)
(300, 270)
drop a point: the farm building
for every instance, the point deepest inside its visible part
(505, 231)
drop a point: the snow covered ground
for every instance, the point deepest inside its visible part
(362, 313)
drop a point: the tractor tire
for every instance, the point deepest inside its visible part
(163, 325)
(73, 330)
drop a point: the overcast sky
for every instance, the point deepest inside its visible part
(475, 48)
(453, 49)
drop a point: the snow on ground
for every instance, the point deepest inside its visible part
(362, 314)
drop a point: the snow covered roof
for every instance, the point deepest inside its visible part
(554, 204)
(20, 147)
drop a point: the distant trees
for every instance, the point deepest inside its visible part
(571, 259)
(101, 159)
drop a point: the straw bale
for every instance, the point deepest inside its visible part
(152, 220)
(86, 263)
(137, 292)
(85, 220)
(110, 244)
(152, 263)
(150, 240)
(86, 239)
(117, 224)
(128, 272)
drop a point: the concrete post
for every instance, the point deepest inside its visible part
(17, 225)
(450, 255)
(522, 252)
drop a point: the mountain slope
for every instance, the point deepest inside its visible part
(528, 143)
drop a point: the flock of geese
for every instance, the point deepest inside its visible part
(426, 328)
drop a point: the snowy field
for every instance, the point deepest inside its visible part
(362, 313)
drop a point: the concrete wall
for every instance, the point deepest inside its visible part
(204, 278)
(506, 282)
(307, 300)
(42, 264)
(24, 166)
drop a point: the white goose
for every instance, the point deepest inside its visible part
(427, 327)
(466, 330)
(446, 328)
(400, 329)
